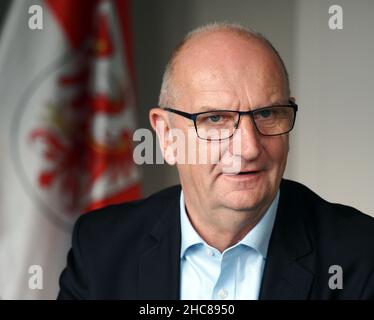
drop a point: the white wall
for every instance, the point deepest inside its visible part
(332, 147)
(333, 80)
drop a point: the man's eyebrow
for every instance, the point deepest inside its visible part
(209, 108)
(276, 103)
(228, 107)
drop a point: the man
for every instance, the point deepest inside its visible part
(224, 233)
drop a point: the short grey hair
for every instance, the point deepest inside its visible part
(168, 92)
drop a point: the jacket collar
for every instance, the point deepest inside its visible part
(286, 275)
(159, 264)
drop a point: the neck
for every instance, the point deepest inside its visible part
(223, 227)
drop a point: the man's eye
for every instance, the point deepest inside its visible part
(265, 114)
(215, 118)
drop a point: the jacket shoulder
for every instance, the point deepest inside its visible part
(331, 219)
(126, 219)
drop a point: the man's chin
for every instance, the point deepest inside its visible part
(241, 201)
(243, 180)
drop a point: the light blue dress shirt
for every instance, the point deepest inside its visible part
(235, 273)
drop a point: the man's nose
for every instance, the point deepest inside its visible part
(247, 139)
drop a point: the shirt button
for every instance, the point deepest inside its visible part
(223, 293)
(210, 252)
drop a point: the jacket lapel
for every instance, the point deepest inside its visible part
(287, 273)
(159, 264)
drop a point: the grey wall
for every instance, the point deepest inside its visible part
(333, 144)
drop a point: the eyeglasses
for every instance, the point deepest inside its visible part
(219, 125)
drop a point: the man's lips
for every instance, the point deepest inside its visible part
(249, 172)
(245, 172)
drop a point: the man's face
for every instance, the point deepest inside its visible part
(225, 71)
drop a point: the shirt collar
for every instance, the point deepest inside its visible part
(190, 237)
(258, 238)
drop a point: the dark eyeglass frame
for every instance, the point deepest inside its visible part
(193, 117)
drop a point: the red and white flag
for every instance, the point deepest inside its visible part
(67, 118)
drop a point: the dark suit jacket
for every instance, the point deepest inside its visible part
(132, 250)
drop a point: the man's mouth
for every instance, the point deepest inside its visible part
(242, 173)
(248, 172)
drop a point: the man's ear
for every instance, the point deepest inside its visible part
(293, 99)
(160, 122)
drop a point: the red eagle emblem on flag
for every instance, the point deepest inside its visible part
(83, 136)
